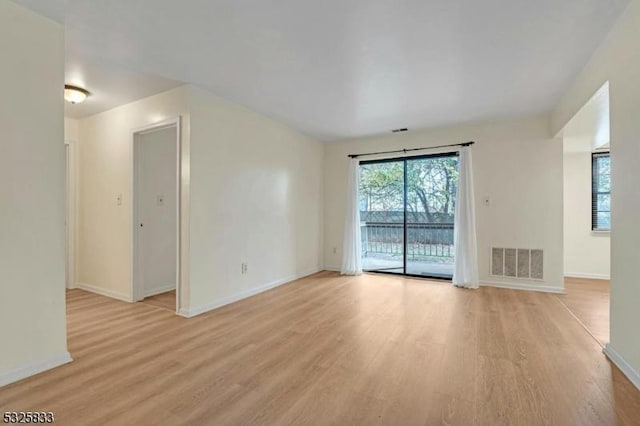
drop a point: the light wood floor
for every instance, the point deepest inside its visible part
(334, 350)
(165, 300)
(588, 300)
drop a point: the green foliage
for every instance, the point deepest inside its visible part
(431, 186)
(381, 186)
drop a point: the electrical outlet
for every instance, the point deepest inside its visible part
(335, 250)
(160, 200)
(486, 200)
(119, 199)
(244, 268)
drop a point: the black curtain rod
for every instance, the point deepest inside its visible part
(412, 149)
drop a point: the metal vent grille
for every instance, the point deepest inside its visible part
(517, 263)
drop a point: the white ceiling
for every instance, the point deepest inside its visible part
(345, 68)
(588, 130)
(110, 85)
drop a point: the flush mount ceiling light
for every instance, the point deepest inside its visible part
(74, 94)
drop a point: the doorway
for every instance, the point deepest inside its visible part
(156, 215)
(407, 210)
(587, 208)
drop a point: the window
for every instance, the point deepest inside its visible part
(407, 208)
(600, 191)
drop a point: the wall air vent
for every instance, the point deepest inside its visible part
(517, 263)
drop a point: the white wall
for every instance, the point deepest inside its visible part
(256, 197)
(618, 61)
(71, 135)
(71, 131)
(32, 170)
(587, 254)
(252, 190)
(156, 158)
(517, 164)
(104, 228)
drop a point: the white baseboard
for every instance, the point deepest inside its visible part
(623, 365)
(500, 284)
(192, 312)
(522, 286)
(104, 292)
(34, 368)
(587, 276)
(160, 290)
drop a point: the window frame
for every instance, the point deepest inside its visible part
(594, 191)
(404, 160)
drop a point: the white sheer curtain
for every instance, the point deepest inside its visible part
(465, 273)
(351, 246)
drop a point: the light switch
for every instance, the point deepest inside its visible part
(160, 200)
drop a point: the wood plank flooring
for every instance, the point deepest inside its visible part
(588, 300)
(165, 300)
(332, 350)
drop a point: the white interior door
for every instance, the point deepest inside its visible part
(156, 206)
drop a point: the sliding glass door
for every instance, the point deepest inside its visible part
(432, 183)
(406, 212)
(382, 216)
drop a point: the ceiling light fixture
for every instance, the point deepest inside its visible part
(75, 94)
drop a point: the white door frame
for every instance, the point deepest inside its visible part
(137, 292)
(70, 213)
